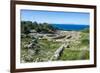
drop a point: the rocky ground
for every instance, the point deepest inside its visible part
(65, 45)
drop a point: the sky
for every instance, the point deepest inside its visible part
(54, 17)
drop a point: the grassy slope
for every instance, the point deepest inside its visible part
(48, 48)
(79, 54)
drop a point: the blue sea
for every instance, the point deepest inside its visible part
(69, 26)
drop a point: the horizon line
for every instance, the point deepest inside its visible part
(55, 23)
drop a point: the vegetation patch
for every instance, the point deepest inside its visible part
(40, 42)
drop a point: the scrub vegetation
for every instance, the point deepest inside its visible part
(40, 42)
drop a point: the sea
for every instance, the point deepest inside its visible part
(70, 26)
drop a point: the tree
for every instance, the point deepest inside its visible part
(26, 30)
(26, 26)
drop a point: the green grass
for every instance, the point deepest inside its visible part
(49, 45)
(86, 30)
(75, 52)
(47, 48)
(84, 39)
(74, 55)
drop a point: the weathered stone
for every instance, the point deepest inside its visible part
(58, 52)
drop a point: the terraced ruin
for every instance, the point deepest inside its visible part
(61, 45)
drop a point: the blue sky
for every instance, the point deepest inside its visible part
(54, 17)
